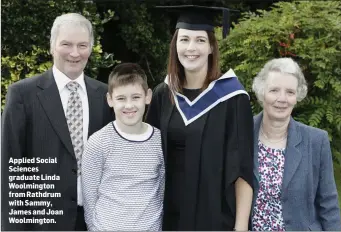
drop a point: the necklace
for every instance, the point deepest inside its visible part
(273, 141)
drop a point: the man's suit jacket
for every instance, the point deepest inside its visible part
(309, 196)
(34, 125)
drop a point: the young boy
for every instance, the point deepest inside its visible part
(122, 166)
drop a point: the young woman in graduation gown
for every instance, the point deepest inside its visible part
(206, 124)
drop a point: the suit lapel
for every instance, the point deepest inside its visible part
(50, 100)
(257, 122)
(292, 154)
(95, 104)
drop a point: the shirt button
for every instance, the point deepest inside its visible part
(74, 171)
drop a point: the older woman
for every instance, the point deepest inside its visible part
(294, 186)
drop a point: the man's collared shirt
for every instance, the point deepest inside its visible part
(61, 81)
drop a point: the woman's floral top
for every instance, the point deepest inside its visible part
(267, 212)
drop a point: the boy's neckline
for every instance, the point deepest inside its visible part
(135, 137)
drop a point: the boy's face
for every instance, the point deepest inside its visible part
(129, 102)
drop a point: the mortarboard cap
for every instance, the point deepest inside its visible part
(193, 17)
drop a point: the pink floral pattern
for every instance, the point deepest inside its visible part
(267, 212)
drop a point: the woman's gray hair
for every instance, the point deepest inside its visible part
(281, 65)
(70, 19)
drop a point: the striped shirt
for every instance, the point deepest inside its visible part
(123, 180)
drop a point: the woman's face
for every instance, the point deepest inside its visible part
(280, 95)
(193, 48)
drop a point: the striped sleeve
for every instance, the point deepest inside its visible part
(92, 168)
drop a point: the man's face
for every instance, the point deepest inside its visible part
(71, 50)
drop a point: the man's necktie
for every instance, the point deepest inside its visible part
(74, 118)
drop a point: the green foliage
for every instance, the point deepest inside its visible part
(23, 65)
(141, 29)
(25, 37)
(310, 33)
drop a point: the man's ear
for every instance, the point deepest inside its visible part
(149, 96)
(109, 100)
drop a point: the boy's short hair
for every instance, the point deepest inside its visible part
(125, 74)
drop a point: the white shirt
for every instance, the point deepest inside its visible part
(61, 81)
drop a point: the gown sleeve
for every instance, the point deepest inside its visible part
(153, 114)
(242, 138)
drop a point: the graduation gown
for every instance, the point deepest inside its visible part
(218, 150)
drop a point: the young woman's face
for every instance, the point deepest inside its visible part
(193, 48)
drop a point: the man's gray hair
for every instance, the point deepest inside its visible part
(281, 65)
(70, 19)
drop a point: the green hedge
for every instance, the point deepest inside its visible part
(310, 33)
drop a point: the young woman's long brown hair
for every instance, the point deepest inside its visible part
(176, 72)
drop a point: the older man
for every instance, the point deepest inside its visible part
(45, 123)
